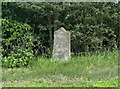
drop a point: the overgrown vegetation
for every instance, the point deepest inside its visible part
(98, 70)
(16, 43)
(27, 43)
(27, 28)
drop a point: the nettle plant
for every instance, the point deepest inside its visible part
(17, 43)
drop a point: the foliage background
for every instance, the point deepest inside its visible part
(28, 28)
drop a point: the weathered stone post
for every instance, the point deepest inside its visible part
(62, 44)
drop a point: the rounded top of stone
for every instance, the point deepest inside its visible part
(62, 29)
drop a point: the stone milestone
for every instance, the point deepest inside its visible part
(61, 48)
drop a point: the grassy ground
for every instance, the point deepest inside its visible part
(96, 70)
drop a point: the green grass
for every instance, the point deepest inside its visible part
(98, 69)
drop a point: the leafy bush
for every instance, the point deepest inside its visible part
(16, 43)
(22, 58)
(93, 26)
(93, 39)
